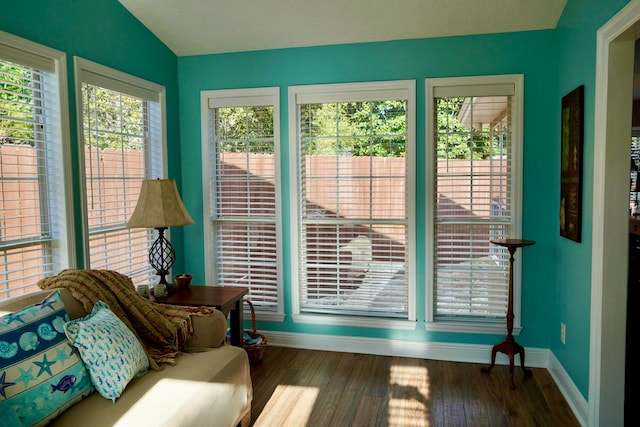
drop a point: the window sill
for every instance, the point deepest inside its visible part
(363, 322)
(471, 327)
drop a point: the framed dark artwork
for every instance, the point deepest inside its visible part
(571, 164)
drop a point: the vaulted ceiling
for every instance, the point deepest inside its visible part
(196, 27)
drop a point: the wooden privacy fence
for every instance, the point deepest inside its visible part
(339, 187)
(20, 205)
(20, 210)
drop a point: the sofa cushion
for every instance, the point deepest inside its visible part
(207, 388)
(41, 374)
(112, 353)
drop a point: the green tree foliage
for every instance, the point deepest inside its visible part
(455, 141)
(359, 129)
(113, 120)
(245, 129)
(17, 118)
(355, 128)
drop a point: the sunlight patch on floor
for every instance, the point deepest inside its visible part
(296, 402)
(409, 396)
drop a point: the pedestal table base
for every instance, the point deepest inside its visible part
(510, 348)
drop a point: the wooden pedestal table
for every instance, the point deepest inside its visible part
(509, 346)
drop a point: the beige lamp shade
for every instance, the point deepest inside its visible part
(159, 205)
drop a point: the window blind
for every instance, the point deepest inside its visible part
(244, 186)
(474, 203)
(353, 215)
(122, 134)
(31, 187)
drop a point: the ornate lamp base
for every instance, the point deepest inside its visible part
(162, 256)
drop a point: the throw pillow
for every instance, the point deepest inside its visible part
(112, 353)
(41, 373)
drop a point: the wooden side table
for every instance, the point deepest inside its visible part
(227, 299)
(509, 346)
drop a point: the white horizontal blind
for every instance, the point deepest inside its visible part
(244, 196)
(29, 149)
(121, 133)
(473, 203)
(353, 218)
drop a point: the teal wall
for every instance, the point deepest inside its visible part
(576, 34)
(102, 31)
(553, 62)
(530, 53)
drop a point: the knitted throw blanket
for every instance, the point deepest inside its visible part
(162, 329)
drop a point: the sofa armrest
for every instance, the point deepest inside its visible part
(209, 331)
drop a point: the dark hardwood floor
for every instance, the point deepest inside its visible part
(298, 388)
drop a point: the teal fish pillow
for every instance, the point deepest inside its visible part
(112, 353)
(41, 373)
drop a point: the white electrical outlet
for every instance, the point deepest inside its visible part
(563, 333)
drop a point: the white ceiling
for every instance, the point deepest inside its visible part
(196, 27)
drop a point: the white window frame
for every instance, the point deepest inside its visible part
(352, 92)
(25, 52)
(240, 98)
(480, 86)
(156, 165)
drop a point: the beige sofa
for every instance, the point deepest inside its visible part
(210, 384)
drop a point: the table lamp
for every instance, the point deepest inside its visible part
(160, 206)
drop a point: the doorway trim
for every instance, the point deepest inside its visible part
(612, 133)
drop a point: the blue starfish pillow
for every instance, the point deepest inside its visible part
(41, 373)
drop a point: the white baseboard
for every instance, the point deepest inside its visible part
(471, 353)
(574, 398)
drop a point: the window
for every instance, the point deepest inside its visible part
(35, 225)
(353, 229)
(123, 133)
(241, 142)
(474, 158)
